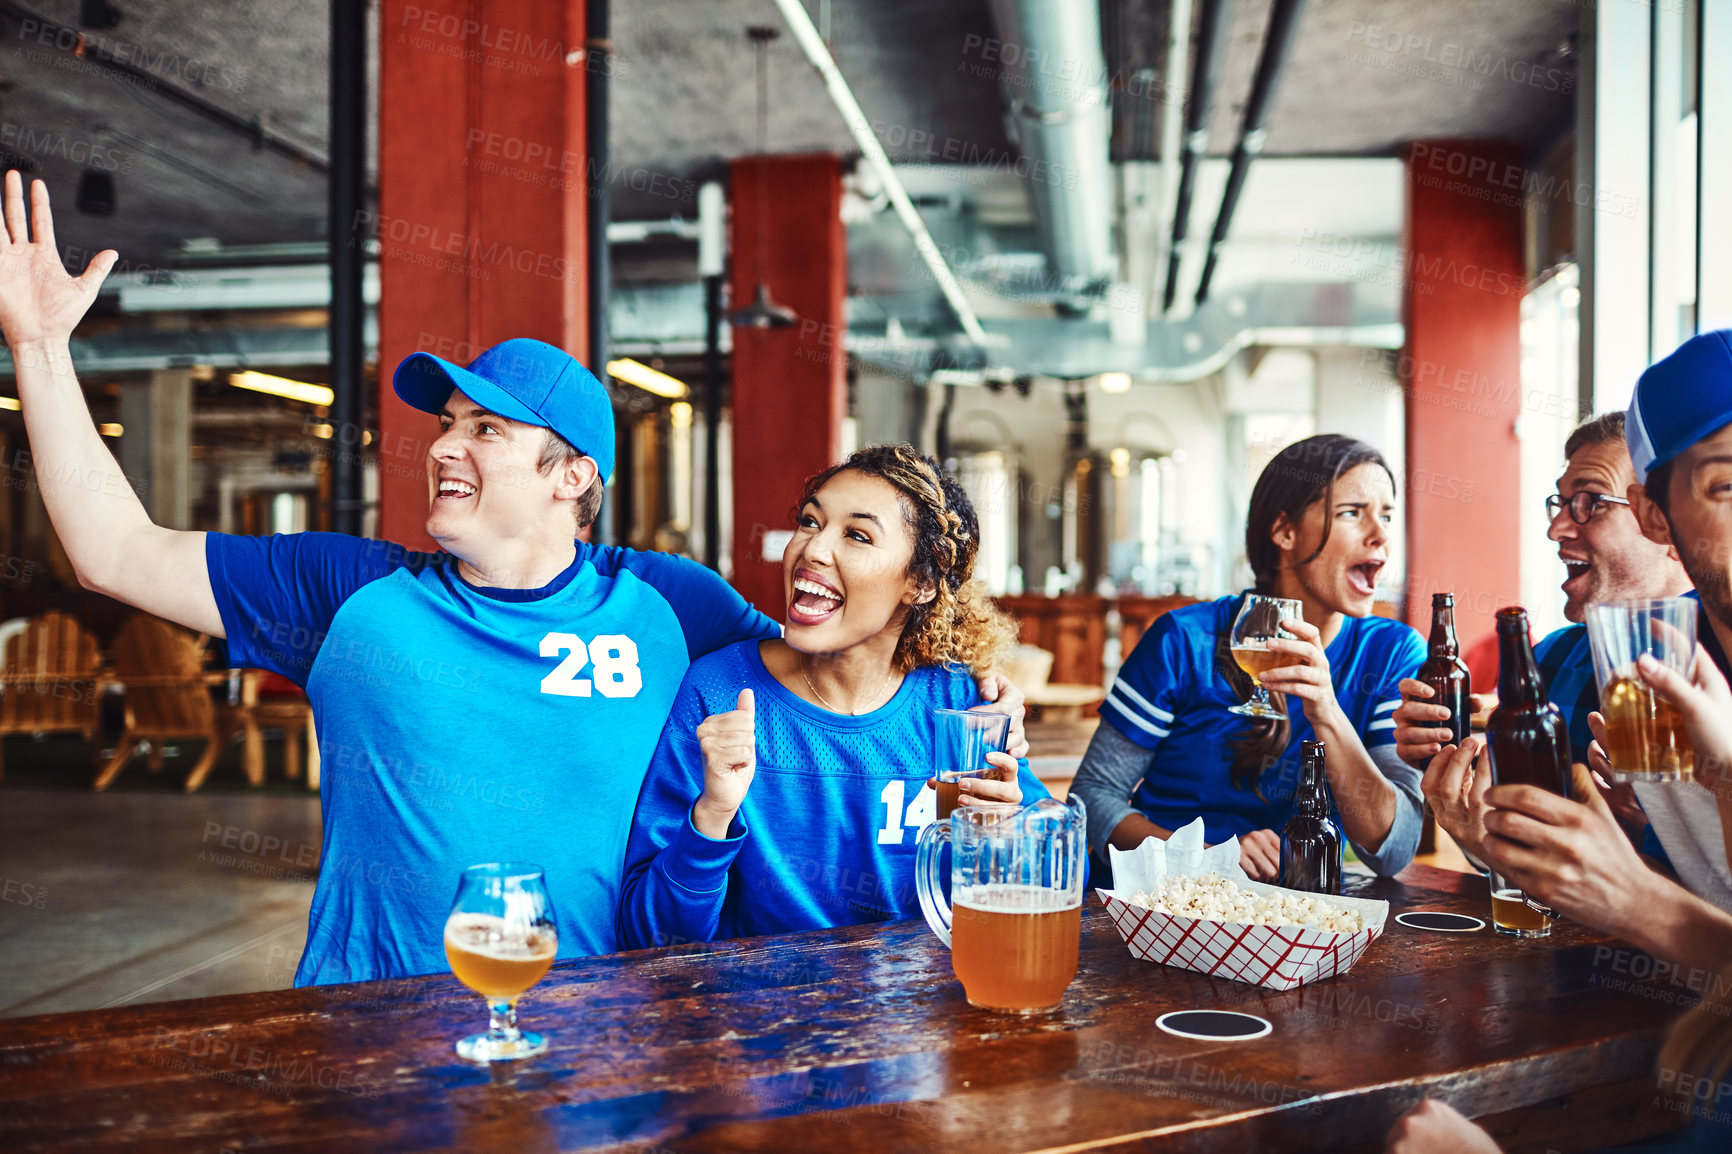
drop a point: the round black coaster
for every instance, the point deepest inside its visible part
(1440, 922)
(1214, 1025)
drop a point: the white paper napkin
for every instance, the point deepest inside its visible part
(1182, 855)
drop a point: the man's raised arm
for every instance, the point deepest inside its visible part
(114, 546)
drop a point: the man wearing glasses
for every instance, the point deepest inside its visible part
(1605, 556)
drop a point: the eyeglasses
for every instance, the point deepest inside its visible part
(1582, 505)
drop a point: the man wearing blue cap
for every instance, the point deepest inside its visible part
(496, 701)
(1569, 854)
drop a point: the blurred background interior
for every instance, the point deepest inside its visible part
(1104, 258)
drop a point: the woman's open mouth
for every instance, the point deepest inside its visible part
(814, 602)
(1363, 577)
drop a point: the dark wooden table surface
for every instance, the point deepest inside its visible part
(859, 1039)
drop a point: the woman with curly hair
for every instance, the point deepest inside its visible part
(790, 785)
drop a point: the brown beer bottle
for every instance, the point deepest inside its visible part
(1445, 672)
(1311, 845)
(1526, 735)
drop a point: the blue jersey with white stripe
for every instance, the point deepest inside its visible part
(461, 725)
(1170, 698)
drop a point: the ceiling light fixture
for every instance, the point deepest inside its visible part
(1115, 382)
(648, 379)
(763, 312)
(283, 387)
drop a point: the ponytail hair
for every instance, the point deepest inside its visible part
(1301, 475)
(959, 623)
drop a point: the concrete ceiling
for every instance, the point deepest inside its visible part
(1366, 76)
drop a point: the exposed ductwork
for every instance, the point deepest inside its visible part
(1214, 20)
(1054, 75)
(1277, 47)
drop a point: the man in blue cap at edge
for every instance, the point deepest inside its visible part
(498, 700)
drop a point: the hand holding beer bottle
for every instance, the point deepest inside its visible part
(730, 747)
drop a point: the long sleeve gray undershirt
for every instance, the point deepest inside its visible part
(1114, 764)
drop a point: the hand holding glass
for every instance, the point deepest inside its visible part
(1645, 738)
(501, 940)
(1258, 623)
(964, 739)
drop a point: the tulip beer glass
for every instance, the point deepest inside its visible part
(1645, 738)
(500, 940)
(1016, 877)
(1258, 623)
(964, 739)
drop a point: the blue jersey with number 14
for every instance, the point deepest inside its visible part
(461, 725)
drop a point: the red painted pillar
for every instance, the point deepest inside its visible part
(482, 203)
(790, 385)
(1462, 367)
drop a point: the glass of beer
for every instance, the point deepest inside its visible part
(1510, 912)
(1258, 623)
(1645, 738)
(1016, 874)
(964, 739)
(500, 940)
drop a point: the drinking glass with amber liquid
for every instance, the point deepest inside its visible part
(1258, 623)
(1645, 738)
(501, 940)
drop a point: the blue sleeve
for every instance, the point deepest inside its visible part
(277, 595)
(712, 612)
(1406, 655)
(676, 879)
(1651, 847)
(1146, 695)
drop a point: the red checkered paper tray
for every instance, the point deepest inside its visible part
(1278, 957)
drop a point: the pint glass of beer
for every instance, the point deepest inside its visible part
(1645, 738)
(1016, 878)
(500, 940)
(964, 739)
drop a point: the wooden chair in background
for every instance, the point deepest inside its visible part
(161, 667)
(52, 681)
(271, 701)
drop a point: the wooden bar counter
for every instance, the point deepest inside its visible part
(859, 1040)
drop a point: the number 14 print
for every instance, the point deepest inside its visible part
(612, 658)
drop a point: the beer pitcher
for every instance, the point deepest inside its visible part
(1014, 923)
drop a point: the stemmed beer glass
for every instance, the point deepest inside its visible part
(1258, 623)
(501, 940)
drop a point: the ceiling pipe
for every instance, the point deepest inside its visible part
(1173, 108)
(1277, 45)
(1056, 91)
(843, 97)
(1216, 18)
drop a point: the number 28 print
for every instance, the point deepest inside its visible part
(610, 657)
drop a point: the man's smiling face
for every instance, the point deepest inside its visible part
(481, 478)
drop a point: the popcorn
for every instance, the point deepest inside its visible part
(1211, 897)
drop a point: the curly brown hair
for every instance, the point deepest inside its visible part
(959, 623)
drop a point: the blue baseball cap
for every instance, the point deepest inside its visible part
(1680, 400)
(524, 380)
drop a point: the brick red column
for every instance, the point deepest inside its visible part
(789, 385)
(1462, 368)
(482, 203)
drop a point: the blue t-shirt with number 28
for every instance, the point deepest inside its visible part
(460, 725)
(827, 833)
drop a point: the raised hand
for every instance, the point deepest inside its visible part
(39, 300)
(1001, 785)
(1705, 704)
(1306, 674)
(730, 748)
